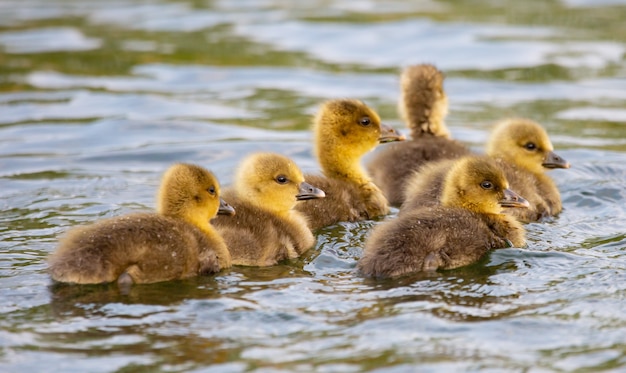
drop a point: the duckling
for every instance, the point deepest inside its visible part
(267, 228)
(423, 106)
(524, 151)
(176, 242)
(459, 231)
(345, 130)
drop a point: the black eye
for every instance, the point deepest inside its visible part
(281, 179)
(211, 190)
(365, 121)
(486, 185)
(530, 146)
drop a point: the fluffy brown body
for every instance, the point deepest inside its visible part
(177, 242)
(424, 106)
(267, 229)
(345, 130)
(457, 232)
(148, 247)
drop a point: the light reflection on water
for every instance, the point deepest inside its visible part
(476, 46)
(98, 98)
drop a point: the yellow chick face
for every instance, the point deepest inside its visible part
(479, 185)
(344, 131)
(350, 128)
(192, 192)
(526, 144)
(273, 182)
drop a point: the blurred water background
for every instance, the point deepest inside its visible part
(97, 98)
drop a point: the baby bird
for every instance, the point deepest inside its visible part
(267, 229)
(523, 150)
(345, 130)
(459, 231)
(424, 106)
(174, 243)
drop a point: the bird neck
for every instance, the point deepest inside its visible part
(202, 223)
(525, 165)
(218, 243)
(274, 204)
(507, 227)
(296, 217)
(344, 167)
(477, 208)
(347, 170)
(545, 182)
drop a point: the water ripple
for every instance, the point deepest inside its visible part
(100, 97)
(457, 46)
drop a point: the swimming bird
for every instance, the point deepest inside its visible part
(459, 231)
(424, 106)
(522, 148)
(345, 130)
(175, 242)
(267, 229)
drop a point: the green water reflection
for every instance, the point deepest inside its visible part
(97, 98)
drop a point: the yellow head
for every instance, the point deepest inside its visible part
(476, 183)
(423, 103)
(344, 131)
(272, 182)
(524, 143)
(192, 193)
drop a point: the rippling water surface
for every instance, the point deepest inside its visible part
(97, 98)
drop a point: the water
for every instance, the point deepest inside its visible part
(98, 98)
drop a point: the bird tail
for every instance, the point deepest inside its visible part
(423, 104)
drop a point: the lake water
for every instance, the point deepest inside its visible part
(97, 98)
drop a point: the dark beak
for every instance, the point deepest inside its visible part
(512, 199)
(554, 161)
(389, 134)
(308, 191)
(225, 209)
